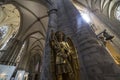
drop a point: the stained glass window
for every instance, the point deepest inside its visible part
(117, 13)
(3, 31)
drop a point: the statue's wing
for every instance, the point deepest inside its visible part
(73, 49)
(75, 62)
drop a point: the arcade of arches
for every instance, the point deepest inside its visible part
(59, 40)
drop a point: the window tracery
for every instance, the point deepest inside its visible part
(117, 12)
(3, 31)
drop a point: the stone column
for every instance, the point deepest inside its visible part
(12, 52)
(52, 25)
(16, 51)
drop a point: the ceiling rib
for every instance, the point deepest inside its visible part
(38, 40)
(26, 9)
(34, 33)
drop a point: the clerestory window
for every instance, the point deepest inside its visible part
(117, 13)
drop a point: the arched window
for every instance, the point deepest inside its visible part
(9, 23)
(3, 31)
(117, 13)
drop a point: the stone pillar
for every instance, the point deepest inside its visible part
(95, 61)
(12, 52)
(69, 21)
(52, 25)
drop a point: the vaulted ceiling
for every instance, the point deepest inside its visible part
(33, 19)
(32, 23)
(106, 7)
(102, 13)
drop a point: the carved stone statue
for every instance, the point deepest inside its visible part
(64, 63)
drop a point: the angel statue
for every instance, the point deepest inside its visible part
(64, 59)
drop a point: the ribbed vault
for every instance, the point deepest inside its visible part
(33, 28)
(33, 24)
(106, 7)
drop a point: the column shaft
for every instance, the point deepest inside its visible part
(52, 25)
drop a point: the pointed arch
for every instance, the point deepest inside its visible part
(38, 40)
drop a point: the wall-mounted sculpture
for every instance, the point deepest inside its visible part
(64, 59)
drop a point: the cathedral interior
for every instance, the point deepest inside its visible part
(59, 40)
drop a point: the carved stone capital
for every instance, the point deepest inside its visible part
(15, 40)
(52, 11)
